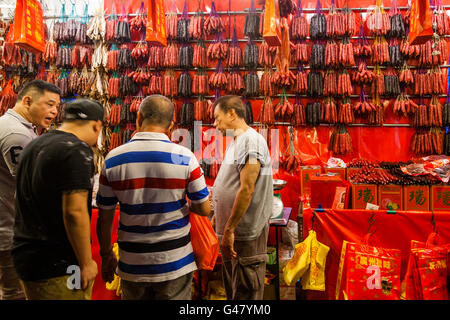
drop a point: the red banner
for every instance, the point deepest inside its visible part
(29, 26)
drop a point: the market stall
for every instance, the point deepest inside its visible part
(336, 86)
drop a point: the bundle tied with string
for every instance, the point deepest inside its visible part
(318, 24)
(251, 25)
(183, 25)
(299, 24)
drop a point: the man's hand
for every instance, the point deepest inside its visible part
(88, 274)
(109, 264)
(228, 244)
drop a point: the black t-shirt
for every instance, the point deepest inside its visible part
(54, 162)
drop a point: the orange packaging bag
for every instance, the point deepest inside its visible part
(156, 23)
(272, 27)
(29, 26)
(204, 242)
(421, 28)
(368, 273)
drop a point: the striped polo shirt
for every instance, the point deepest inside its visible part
(150, 177)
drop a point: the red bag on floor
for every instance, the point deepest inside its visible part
(29, 26)
(204, 242)
(368, 273)
(426, 275)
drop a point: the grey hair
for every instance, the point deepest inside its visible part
(157, 110)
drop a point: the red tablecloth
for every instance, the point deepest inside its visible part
(392, 231)
(99, 292)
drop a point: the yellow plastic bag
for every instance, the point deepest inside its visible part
(115, 284)
(314, 278)
(299, 263)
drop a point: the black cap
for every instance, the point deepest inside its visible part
(83, 109)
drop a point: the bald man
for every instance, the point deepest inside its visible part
(150, 177)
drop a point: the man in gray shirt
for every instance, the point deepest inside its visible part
(242, 197)
(36, 107)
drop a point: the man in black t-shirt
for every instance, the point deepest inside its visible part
(52, 250)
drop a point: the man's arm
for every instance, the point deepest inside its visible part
(104, 234)
(248, 176)
(202, 209)
(78, 228)
(12, 147)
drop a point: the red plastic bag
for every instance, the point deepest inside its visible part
(29, 26)
(368, 273)
(421, 28)
(156, 23)
(426, 275)
(204, 242)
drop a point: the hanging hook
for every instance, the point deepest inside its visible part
(433, 221)
(371, 222)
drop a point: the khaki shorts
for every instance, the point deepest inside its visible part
(54, 289)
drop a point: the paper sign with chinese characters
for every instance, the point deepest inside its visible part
(363, 194)
(416, 198)
(440, 198)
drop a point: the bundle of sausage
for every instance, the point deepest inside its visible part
(318, 27)
(267, 55)
(299, 118)
(187, 114)
(397, 29)
(141, 51)
(362, 50)
(8, 98)
(363, 106)
(139, 22)
(200, 84)
(318, 55)
(111, 25)
(406, 77)
(265, 84)
(283, 80)
(329, 111)
(63, 83)
(218, 79)
(214, 23)
(156, 84)
(395, 55)
(126, 115)
(200, 56)
(345, 112)
(301, 82)
(446, 114)
(378, 22)
(116, 139)
(73, 81)
(435, 112)
(335, 24)
(420, 117)
(267, 115)
(134, 107)
(340, 142)
(123, 33)
(403, 106)
(391, 82)
(439, 54)
(377, 117)
(185, 56)
(344, 87)
(196, 27)
(299, 27)
(442, 20)
(155, 57)
(346, 57)
(113, 59)
(217, 51)
(372, 176)
(363, 75)
(251, 55)
(350, 27)
(185, 85)
(201, 110)
(251, 24)
(290, 163)
(313, 113)
(114, 113)
(170, 84)
(362, 163)
(127, 85)
(125, 59)
(299, 53)
(170, 55)
(236, 84)
(377, 86)
(183, 27)
(408, 50)
(426, 142)
(315, 83)
(171, 25)
(64, 57)
(51, 48)
(234, 56)
(113, 86)
(287, 7)
(284, 110)
(380, 52)
(140, 76)
(330, 83)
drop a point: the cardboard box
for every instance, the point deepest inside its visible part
(390, 197)
(416, 198)
(323, 188)
(306, 172)
(342, 172)
(362, 194)
(440, 198)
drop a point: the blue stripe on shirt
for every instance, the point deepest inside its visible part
(156, 268)
(172, 225)
(199, 194)
(147, 156)
(106, 201)
(150, 208)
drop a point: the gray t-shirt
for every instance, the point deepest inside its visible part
(247, 146)
(15, 134)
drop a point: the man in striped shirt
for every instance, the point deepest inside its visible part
(150, 177)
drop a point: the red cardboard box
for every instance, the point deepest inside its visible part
(342, 172)
(362, 194)
(306, 172)
(323, 188)
(416, 198)
(390, 197)
(440, 198)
